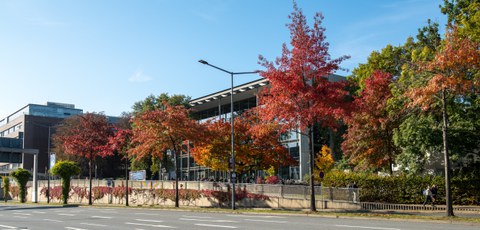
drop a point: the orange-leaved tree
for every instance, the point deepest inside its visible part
(257, 145)
(300, 93)
(86, 136)
(369, 138)
(157, 131)
(453, 73)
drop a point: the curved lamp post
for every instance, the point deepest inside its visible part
(233, 175)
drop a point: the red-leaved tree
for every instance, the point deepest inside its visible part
(300, 93)
(119, 143)
(369, 138)
(156, 131)
(86, 136)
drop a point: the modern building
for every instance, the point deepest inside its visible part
(34, 124)
(245, 97)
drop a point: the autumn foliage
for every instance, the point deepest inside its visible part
(157, 131)
(368, 141)
(454, 69)
(300, 92)
(257, 145)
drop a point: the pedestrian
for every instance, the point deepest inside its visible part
(433, 191)
(428, 196)
(355, 192)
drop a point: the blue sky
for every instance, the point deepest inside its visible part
(103, 56)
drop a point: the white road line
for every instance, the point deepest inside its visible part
(216, 226)
(59, 221)
(246, 216)
(204, 217)
(75, 228)
(22, 214)
(6, 226)
(66, 214)
(102, 217)
(38, 212)
(109, 211)
(99, 225)
(203, 220)
(155, 221)
(366, 227)
(267, 221)
(146, 214)
(149, 225)
(20, 217)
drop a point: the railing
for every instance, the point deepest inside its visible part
(413, 207)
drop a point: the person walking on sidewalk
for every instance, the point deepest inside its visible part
(433, 190)
(428, 196)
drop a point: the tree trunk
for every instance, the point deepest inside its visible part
(176, 179)
(126, 180)
(312, 164)
(448, 191)
(90, 182)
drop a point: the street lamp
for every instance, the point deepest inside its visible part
(233, 176)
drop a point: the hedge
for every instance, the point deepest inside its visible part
(406, 189)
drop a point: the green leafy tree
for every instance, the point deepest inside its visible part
(6, 187)
(65, 170)
(21, 176)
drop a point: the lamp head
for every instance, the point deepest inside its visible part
(203, 62)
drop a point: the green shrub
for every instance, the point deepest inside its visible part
(65, 170)
(6, 187)
(21, 176)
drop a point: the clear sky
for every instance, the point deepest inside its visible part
(105, 55)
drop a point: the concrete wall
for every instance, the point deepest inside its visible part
(274, 200)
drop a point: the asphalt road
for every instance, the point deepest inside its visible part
(79, 218)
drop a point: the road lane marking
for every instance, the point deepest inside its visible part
(155, 221)
(66, 214)
(268, 221)
(6, 226)
(59, 221)
(39, 212)
(147, 214)
(75, 228)
(24, 214)
(102, 217)
(109, 211)
(366, 227)
(99, 225)
(20, 217)
(216, 221)
(149, 225)
(204, 217)
(246, 216)
(216, 226)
